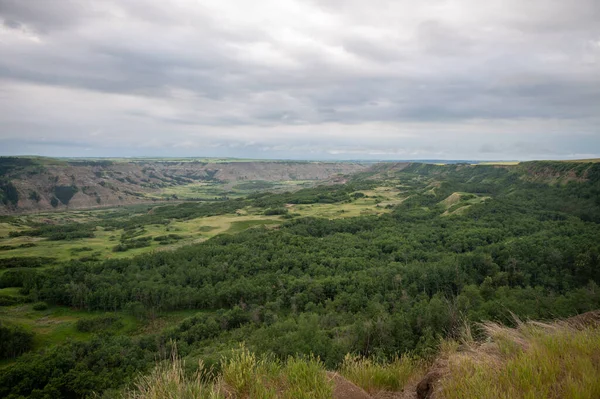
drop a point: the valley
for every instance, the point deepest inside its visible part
(372, 273)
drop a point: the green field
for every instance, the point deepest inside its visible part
(103, 243)
(210, 191)
(376, 201)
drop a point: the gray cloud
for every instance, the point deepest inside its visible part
(301, 78)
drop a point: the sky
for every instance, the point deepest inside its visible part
(301, 79)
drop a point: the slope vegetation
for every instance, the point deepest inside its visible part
(532, 360)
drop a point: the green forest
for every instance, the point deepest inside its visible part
(461, 244)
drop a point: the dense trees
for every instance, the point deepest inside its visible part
(484, 263)
(76, 369)
(14, 340)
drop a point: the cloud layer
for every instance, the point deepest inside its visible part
(328, 79)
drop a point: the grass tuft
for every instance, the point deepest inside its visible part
(168, 381)
(373, 376)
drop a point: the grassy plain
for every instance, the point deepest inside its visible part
(375, 202)
(103, 242)
(209, 191)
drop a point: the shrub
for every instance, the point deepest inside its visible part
(26, 261)
(16, 277)
(98, 324)
(276, 211)
(34, 196)
(40, 306)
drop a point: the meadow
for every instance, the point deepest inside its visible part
(375, 201)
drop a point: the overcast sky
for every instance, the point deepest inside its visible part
(301, 79)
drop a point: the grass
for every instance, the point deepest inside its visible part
(377, 201)
(203, 190)
(168, 381)
(243, 375)
(241, 225)
(208, 191)
(459, 202)
(101, 246)
(373, 376)
(534, 360)
(55, 324)
(10, 291)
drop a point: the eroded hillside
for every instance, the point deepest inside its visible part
(34, 184)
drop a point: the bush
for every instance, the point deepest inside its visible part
(15, 278)
(99, 324)
(276, 211)
(34, 196)
(40, 306)
(9, 300)
(26, 261)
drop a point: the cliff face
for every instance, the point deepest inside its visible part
(557, 172)
(29, 184)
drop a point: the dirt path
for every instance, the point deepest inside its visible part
(344, 389)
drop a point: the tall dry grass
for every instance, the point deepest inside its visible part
(243, 375)
(374, 376)
(168, 381)
(533, 360)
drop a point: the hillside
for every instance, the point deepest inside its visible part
(551, 360)
(38, 184)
